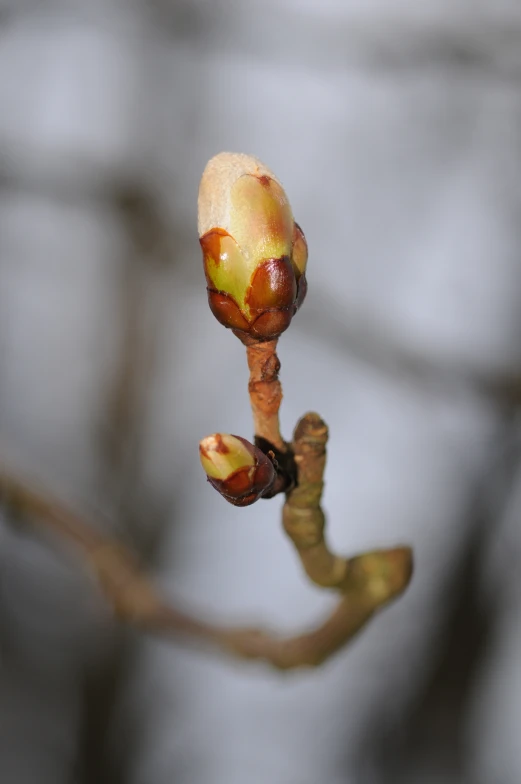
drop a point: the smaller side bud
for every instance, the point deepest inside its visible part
(238, 470)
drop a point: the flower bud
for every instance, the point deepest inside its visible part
(254, 253)
(241, 472)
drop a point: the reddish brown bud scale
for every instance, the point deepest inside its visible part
(302, 291)
(254, 253)
(226, 311)
(273, 286)
(269, 325)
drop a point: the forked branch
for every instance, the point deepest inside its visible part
(375, 579)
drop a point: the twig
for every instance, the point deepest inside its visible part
(312, 648)
(374, 579)
(265, 392)
(302, 515)
(304, 522)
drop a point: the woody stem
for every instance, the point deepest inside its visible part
(374, 580)
(265, 392)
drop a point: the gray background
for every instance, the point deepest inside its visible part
(396, 130)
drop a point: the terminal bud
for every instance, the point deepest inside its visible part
(255, 254)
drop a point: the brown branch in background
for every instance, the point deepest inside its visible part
(138, 307)
(374, 579)
(140, 310)
(129, 592)
(265, 392)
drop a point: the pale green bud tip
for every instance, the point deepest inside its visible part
(221, 455)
